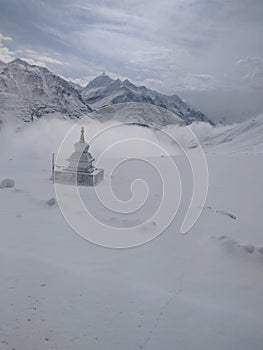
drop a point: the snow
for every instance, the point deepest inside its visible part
(245, 137)
(136, 112)
(202, 290)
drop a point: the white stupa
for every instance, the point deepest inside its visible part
(80, 170)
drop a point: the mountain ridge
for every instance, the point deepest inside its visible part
(29, 92)
(103, 91)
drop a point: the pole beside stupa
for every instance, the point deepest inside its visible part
(82, 137)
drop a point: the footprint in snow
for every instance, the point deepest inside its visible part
(221, 212)
(248, 248)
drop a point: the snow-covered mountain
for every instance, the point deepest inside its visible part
(28, 92)
(137, 112)
(104, 91)
(245, 136)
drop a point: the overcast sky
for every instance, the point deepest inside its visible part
(209, 52)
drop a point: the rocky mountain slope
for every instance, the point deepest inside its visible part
(29, 92)
(138, 113)
(104, 91)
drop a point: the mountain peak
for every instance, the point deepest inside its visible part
(37, 93)
(19, 61)
(99, 81)
(103, 91)
(128, 84)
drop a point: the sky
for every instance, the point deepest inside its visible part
(209, 52)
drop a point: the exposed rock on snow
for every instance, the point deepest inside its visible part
(7, 183)
(51, 201)
(221, 212)
(225, 213)
(248, 248)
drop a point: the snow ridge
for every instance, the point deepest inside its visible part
(104, 91)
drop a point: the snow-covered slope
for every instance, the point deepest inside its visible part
(28, 92)
(104, 91)
(199, 291)
(137, 112)
(245, 136)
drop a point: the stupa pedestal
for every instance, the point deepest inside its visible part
(80, 170)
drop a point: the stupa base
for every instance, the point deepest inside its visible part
(69, 177)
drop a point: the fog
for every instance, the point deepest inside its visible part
(44, 137)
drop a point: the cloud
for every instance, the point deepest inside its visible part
(253, 62)
(6, 55)
(80, 81)
(2, 37)
(32, 57)
(199, 82)
(254, 71)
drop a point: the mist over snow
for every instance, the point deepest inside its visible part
(202, 287)
(43, 137)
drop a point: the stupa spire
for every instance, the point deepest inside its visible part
(82, 138)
